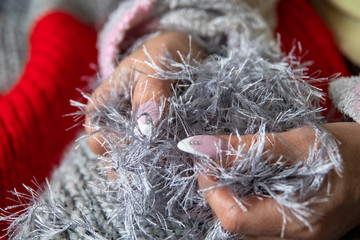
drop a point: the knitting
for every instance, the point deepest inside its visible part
(155, 193)
(223, 94)
(32, 112)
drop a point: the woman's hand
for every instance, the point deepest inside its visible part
(148, 91)
(263, 220)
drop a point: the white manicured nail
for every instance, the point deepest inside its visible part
(148, 117)
(204, 146)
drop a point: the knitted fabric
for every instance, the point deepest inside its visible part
(76, 201)
(182, 15)
(80, 203)
(317, 43)
(32, 122)
(12, 41)
(326, 58)
(93, 12)
(43, 112)
(17, 19)
(128, 15)
(81, 209)
(345, 93)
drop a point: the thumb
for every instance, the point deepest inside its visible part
(263, 218)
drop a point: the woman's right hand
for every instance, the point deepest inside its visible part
(263, 220)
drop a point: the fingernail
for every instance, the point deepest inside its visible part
(147, 117)
(204, 146)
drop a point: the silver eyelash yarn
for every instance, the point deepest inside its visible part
(242, 91)
(250, 89)
(155, 195)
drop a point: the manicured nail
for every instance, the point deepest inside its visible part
(204, 146)
(147, 117)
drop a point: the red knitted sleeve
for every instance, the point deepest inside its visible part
(32, 124)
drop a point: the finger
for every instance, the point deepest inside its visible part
(274, 146)
(261, 218)
(223, 149)
(95, 140)
(150, 93)
(115, 84)
(124, 77)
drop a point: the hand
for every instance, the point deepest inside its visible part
(263, 220)
(148, 91)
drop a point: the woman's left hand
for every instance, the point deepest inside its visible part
(263, 220)
(148, 91)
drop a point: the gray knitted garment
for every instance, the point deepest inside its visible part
(73, 206)
(17, 17)
(245, 87)
(12, 41)
(344, 96)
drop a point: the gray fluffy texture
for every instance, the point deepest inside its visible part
(155, 194)
(71, 206)
(252, 89)
(248, 90)
(344, 96)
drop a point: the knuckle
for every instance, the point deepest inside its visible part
(315, 232)
(232, 222)
(229, 226)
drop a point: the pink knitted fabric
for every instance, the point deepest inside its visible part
(109, 49)
(357, 90)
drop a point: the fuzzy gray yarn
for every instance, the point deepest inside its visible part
(155, 193)
(251, 89)
(244, 91)
(218, 21)
(344, 96)
(226, 93)
(71, 206)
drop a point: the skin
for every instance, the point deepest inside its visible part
(262, 220)
(146, 88)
